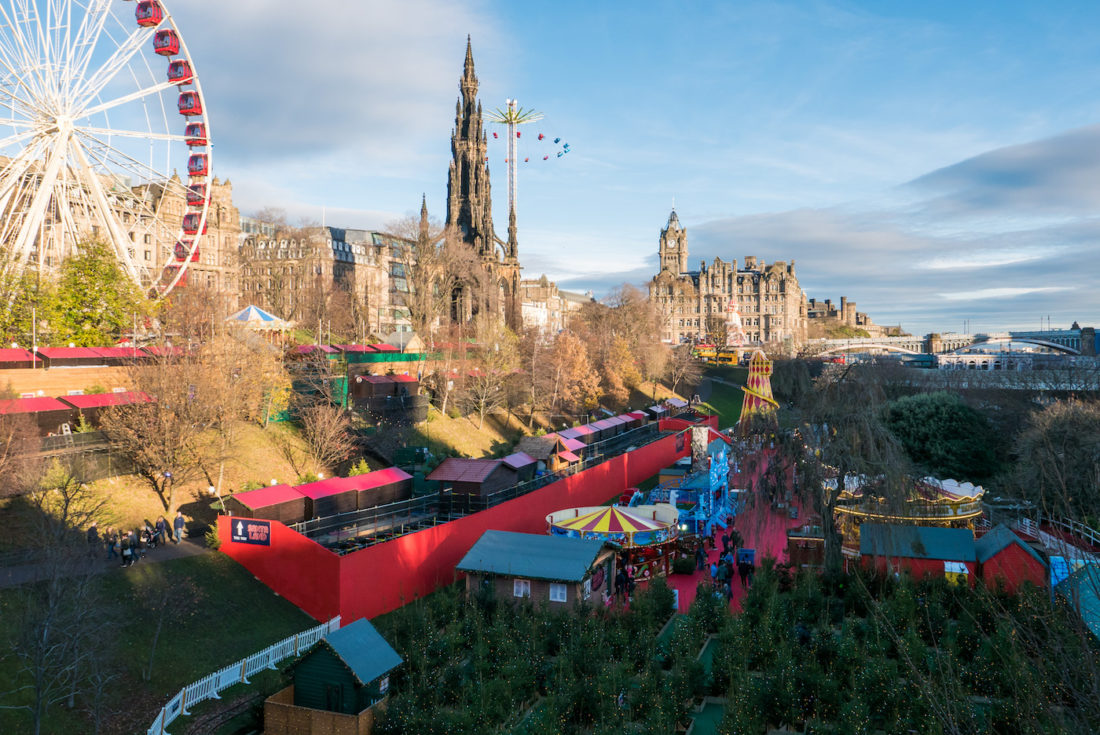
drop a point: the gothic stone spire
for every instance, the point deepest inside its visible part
(469, 201)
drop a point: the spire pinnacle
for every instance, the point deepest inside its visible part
(468, 71)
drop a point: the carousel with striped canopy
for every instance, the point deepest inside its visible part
(646, 534)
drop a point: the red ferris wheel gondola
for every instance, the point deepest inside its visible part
(149, 13)
(166, 43)
(195, 133)
(196, 195)
(190, 103)
(181, 250)
(191, 224)
(198, 165)
(179, 72)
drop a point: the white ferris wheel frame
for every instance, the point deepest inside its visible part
(49, 96)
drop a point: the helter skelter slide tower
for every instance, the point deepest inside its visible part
(100, 108)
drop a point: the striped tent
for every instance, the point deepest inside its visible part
(611, 520)
(641, 526)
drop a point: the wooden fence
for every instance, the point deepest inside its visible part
(238, 673)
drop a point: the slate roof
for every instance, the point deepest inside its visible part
(917, 542)
(529, 555)
(457, 469)
(363, 650)
(1080, 588)
(539, 447)
(999, 538)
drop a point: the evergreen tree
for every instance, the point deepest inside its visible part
(95, 300)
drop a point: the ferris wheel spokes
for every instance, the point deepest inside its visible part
(106, 212)
(93, 85)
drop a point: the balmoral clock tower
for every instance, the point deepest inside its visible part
(674, 246)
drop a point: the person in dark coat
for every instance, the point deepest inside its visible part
(620, 583)
(93, 538)
(743, 572)
(700, 558)
(178, 525)
(110, 542)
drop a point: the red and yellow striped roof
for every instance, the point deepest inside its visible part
(611, 520)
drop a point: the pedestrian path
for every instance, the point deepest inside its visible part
(97, 563)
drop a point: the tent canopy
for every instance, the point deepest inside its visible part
(254, 317)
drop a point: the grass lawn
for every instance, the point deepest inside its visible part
(722, 398)
(216, 614)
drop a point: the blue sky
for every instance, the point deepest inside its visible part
(932, 161)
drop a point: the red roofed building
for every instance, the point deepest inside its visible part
(15, 358)
(47, 414)
(281, 503)
(329, 497)
(473, 476)
(382, 486)
(90, 405)
(70, 356)
(1006, 559)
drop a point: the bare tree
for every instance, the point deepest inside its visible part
(682, 366)
(327, 431)
(165, 439)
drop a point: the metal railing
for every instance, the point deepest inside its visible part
(346, 532)
(238, 673)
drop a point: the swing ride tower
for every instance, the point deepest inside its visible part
(512, 116)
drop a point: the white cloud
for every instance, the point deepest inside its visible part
(997, 293)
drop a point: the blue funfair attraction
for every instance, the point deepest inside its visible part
(702, 494)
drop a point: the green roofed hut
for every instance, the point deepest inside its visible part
(550, 570)
(337, 684)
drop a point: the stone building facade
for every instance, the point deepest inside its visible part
(545, 307)
(294, 271)
(770, 301)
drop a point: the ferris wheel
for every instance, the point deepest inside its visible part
(100, 111)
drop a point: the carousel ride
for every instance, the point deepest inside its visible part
(930, 502)
(646, 535)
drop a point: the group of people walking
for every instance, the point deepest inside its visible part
(130, 546)
(722, 570)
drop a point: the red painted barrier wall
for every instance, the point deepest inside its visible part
(298, 568)
(381, 578)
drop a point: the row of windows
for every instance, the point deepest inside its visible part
(522, 588)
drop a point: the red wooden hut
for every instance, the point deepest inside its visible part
(281, 503)
(46, 414)
(920, 550)
(1006, 559)
(120, 355)
(329, 497)
(70, 356)
(382, 486)
(14, 358)
(473, 476)
(91, 405)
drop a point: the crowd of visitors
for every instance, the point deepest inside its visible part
(130, 546)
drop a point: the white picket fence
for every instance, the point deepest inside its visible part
(238, 673)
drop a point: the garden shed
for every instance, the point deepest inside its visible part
(550, 570)
(522, 464)
(546, 450)
(1006, 559)
(335, 685)
(372, 386)
(15, 358)
(382, 486)
(920, 550)
(329, 497)
(473, 476)
(281, 503)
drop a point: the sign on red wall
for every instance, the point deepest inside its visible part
(248, 531)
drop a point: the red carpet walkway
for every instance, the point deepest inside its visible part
(761, 527)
